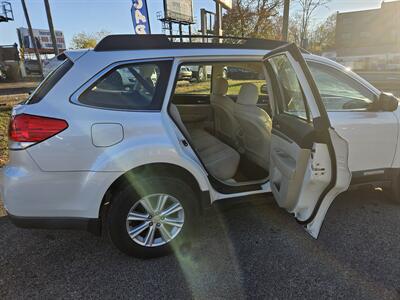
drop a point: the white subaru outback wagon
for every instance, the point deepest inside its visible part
(115, 137)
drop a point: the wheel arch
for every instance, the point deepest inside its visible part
(157, 169)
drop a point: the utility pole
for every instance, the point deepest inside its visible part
(28, 21)
(203, 19)
(285, 26)
(218, 20)
(51, 27)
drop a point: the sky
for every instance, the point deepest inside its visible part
(74, 16)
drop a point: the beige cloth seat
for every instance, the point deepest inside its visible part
(221, 160)
(255, 126)
(224, 121)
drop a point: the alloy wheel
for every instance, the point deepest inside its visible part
(155, 220)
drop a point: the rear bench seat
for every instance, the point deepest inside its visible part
(221, 160)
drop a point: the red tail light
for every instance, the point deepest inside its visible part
(29, 128)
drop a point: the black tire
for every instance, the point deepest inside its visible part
(393, 191)
(126, 198)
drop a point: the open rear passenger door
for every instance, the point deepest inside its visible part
(309, 160)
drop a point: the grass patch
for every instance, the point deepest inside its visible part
(235, 85)
(4, 120)
(203, 88)
(193, 88)
(6, 104)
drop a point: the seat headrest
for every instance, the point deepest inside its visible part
(147, 70)
(220, 87)
(248, 94)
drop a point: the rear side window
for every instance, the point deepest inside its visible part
(137, 86)
(194, 80)
(50, 82)
(237, 76)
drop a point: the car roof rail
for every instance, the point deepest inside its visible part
(161, 41)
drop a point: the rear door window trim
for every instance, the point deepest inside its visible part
(50, 82)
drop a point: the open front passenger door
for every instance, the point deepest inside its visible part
(309, 160)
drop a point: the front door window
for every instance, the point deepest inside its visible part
(293, 101)
(340, 92)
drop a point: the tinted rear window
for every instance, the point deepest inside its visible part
(136, 86)
(50, 82)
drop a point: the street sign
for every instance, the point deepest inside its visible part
(42, 38)
(140, 17)
(180, 11)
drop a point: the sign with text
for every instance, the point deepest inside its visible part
(42, 38)
(179, 10)
(140, 17)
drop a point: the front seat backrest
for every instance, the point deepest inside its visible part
(224, 121)
(255, 126)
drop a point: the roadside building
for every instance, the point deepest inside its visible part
(370, 39)
(368, 42)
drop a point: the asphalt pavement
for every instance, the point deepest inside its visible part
(243, 250)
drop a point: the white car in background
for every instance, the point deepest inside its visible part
(185, 74)
(145, 156)
(52, 64)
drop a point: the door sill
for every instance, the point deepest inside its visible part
(226, 188)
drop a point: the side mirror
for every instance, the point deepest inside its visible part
(264, 89)
(388, 102)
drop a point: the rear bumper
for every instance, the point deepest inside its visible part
(28, 192)
(91, 225)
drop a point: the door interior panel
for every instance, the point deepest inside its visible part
(288, 165)
(195, 113)
(298, 130)
(291, 144)
(195, 110)
(190, 99)
(303, 168)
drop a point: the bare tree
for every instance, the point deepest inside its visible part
(251, 18)
(323, 35)
(308, 8)
(320, 36)
(295, 29)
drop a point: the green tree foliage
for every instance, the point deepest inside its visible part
(252, 18)
(84, 40)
